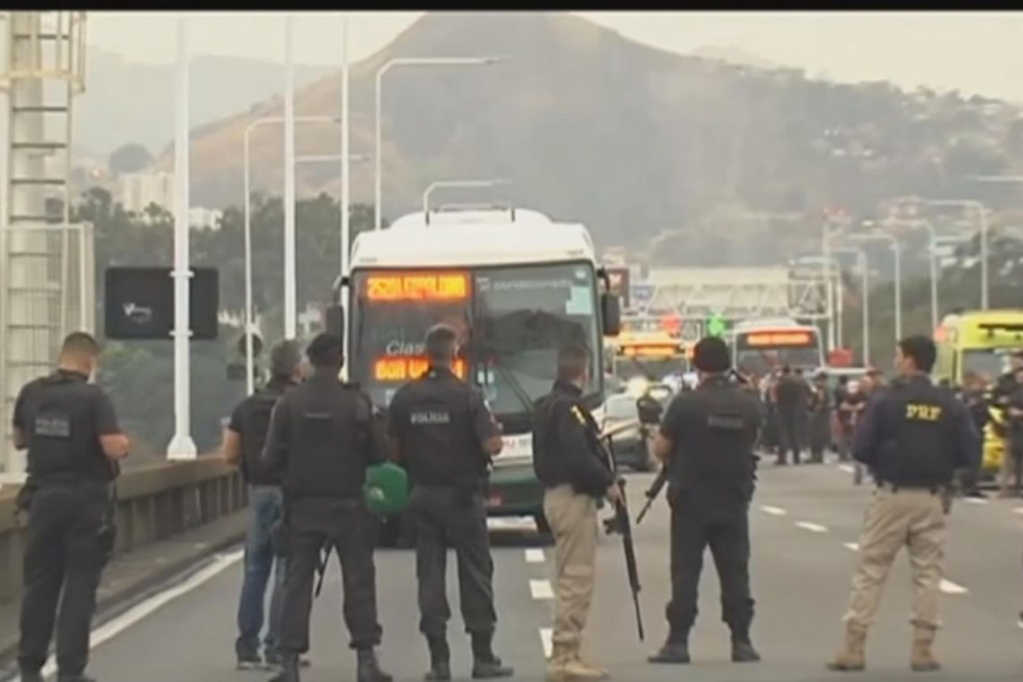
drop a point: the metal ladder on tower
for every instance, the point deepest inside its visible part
(44, 71)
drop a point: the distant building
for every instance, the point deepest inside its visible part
(204, 217)
(137, 191)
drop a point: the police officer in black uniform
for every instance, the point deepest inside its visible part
(322, 439)
(244, 439)
(444, 435)
(74, 445)
(706, 440)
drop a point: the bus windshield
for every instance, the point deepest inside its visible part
(760, 352)
(986, 363)
(524, 315)
(511, 321)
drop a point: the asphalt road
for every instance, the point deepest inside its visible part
(805, 521)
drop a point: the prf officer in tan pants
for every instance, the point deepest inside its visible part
(574, 479)
(913, 437)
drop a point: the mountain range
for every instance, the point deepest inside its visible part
(126, 102)
(636, 142)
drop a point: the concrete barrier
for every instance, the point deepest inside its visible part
(154, 502)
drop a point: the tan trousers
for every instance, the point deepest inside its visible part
(573, 521)
(911, 518)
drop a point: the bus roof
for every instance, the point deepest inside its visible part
(984, 328)
(465, 238)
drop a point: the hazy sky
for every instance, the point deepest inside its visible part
(976, 52)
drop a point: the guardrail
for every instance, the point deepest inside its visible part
(154, 502)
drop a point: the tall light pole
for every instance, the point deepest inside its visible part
(456, 184)
(826, 235)
(346, 197)
(290, 292)
(182, 446)
(249, 362)
(408, 61)
(861, 258)
(897, 266)
(981, 211)
(932, 260)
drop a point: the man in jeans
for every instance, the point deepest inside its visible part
(243, 445)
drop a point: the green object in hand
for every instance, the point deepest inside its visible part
(386, 489)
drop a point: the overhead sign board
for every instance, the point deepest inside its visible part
(139, 303)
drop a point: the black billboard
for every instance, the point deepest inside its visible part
(139, 303)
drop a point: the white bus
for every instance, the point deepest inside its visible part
(765, 345)
(517, 286)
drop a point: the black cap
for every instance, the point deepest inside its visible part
(325, 350)
(711, 355)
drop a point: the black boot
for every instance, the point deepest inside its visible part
(742, 649)
(289, 669)
(369, 668)
(675, 650)
(485, 665)
(440, 660)
(31, 677)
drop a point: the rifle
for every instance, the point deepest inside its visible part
(621, 523)
(652, 492)
(321, 568)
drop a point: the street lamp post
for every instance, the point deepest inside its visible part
(459, 184)
(981, 211)
(346, 196)
(897, 249)
(861, 257)
(290, 312)
(826, 235)
(932, 241)
(182, 446)
(409, 61)
(248, 232)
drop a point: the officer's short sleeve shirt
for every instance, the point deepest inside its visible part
(106, 416)
(673, 426)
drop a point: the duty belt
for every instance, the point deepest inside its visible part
(934, 488)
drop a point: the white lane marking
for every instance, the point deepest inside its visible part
(852, 546)
(812, 527)
(534, 556)
(547, 639)
(974, 500)
(541, 589)
(133, 615)
(847, 468)
(949, 587)
(774, 511)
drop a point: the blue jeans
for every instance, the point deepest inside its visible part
(265, 507)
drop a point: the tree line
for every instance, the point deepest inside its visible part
(140, 374)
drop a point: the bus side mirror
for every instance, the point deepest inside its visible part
(335, 321)
(611, 314)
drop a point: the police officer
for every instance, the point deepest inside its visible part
(444, 435)
(574, 477)
(706, 440)
(74, 445)
(244, 439)
(914, 436)
(322, 439)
